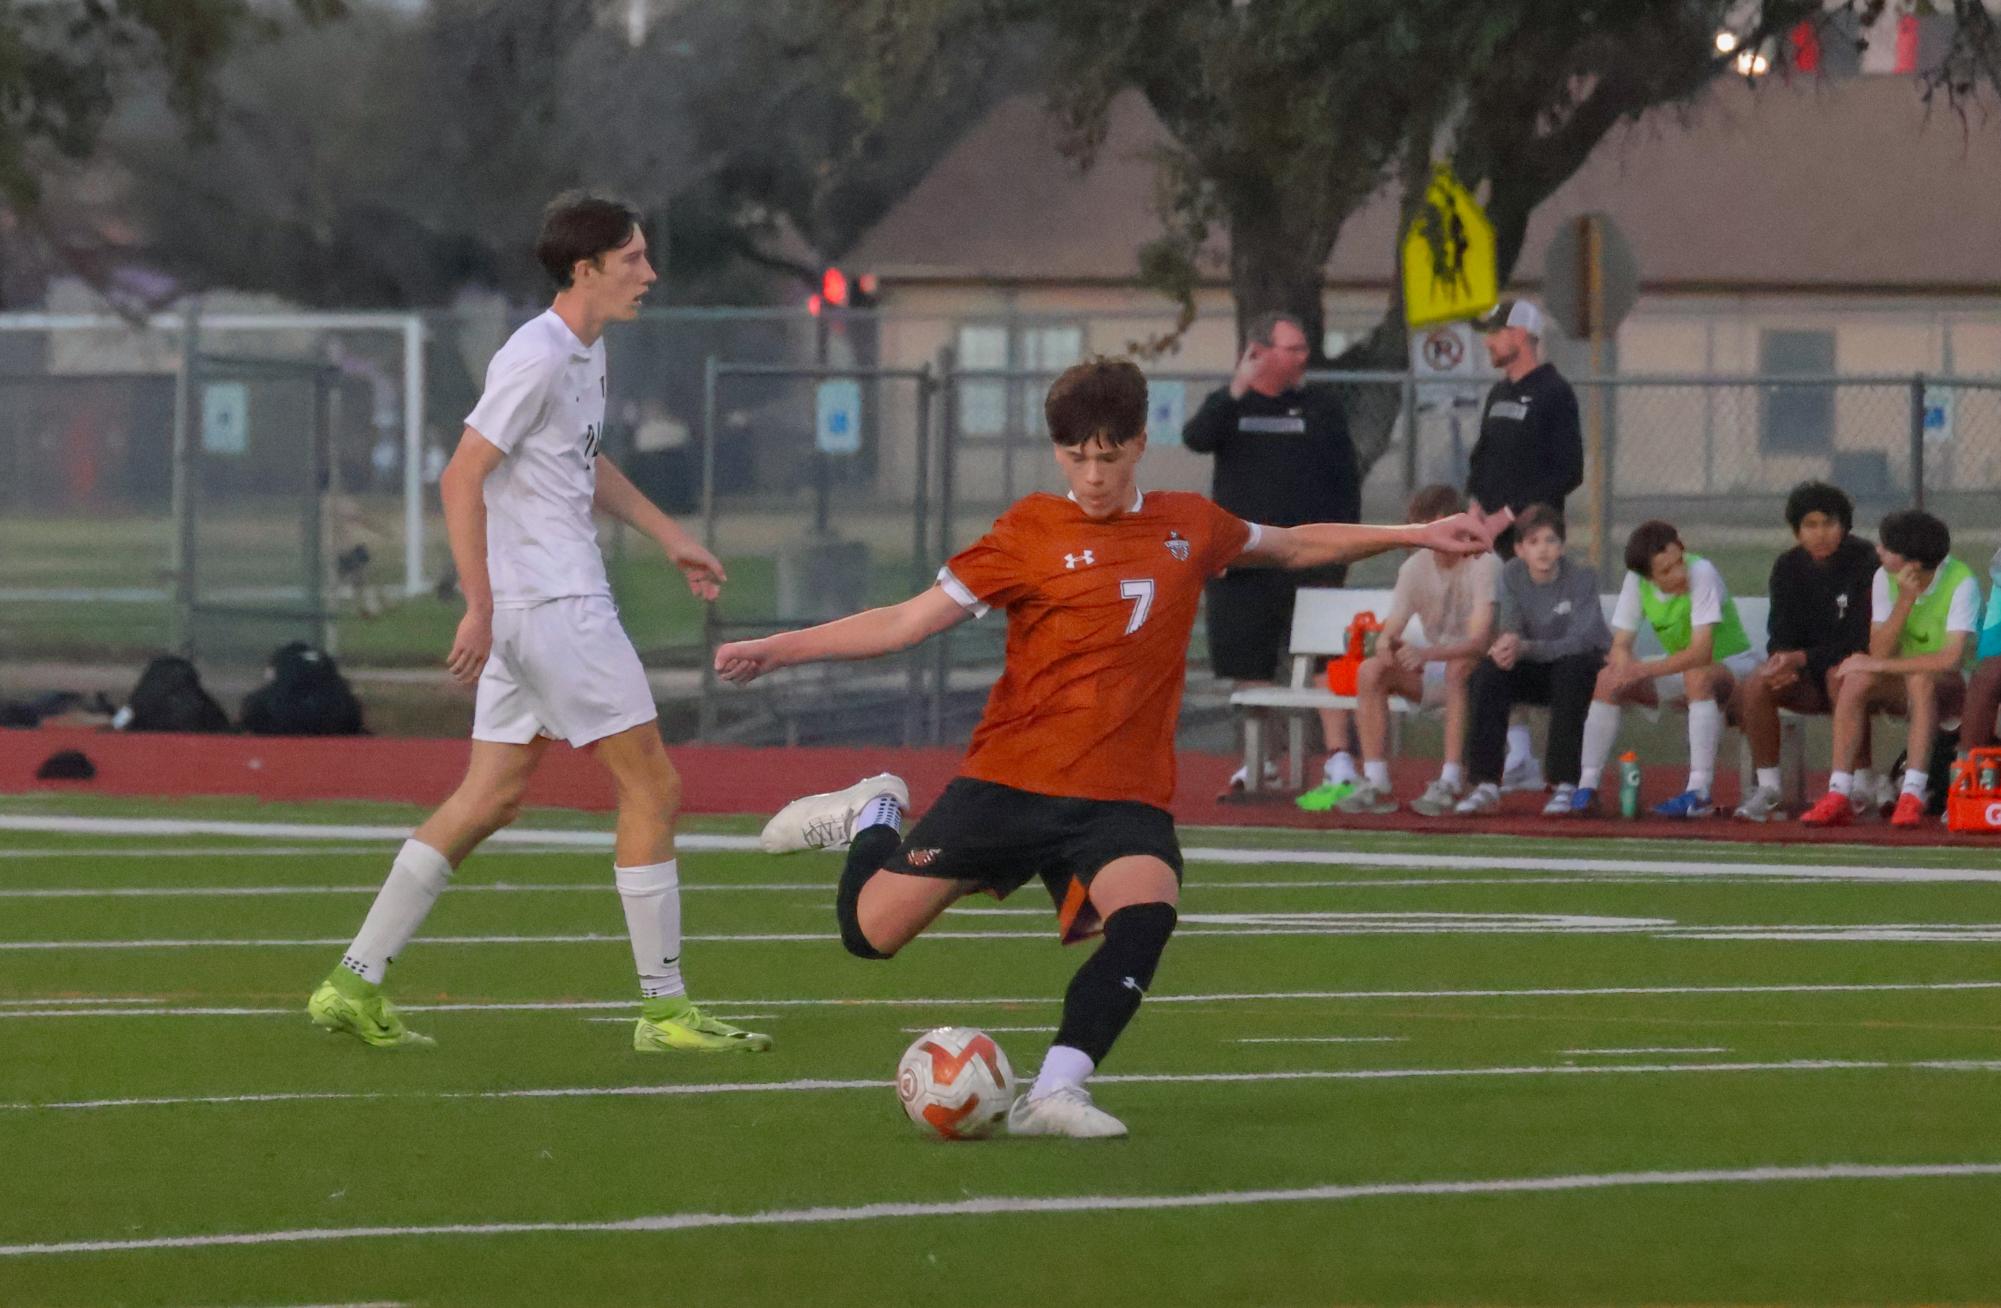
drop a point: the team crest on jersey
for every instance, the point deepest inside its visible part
(921, 857)
(1177, 545)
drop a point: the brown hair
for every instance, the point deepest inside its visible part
(580, 225)
(1647, 540)
(1537, 516)
(1433, 502)
(1098, 397)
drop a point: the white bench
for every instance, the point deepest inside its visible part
(1320, 619)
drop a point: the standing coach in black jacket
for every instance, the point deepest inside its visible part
(1283, 457)
(1531, 444)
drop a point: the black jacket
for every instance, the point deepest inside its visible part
(1822, 608)
(1281, 460)
(1531, 446)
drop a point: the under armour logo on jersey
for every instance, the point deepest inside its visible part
(1072, 560)
(1133, 985)
(1841, 605)
(1177, 545)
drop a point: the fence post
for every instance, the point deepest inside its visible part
(705, 708)
(186, 397)
(1918, 440)
(1409, 435)
(920, 571)
(948, 432)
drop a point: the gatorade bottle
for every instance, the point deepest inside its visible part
(1629, 784)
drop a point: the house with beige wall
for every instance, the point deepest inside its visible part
(1817, 228)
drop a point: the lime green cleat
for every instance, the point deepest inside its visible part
(1323, 797)
(346, 1003)
(677, 1026)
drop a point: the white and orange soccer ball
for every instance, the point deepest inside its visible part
(955, 1083)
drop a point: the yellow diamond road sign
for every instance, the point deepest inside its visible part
(1448, 256)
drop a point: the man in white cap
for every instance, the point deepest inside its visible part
(1530, 451)
(1531, 446)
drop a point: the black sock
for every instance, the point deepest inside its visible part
(1105, 993)
(870, 848)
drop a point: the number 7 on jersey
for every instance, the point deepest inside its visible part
(1139, 590)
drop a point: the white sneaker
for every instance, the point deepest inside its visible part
(1486, 798)
(1438, 798)
(1365, 798)
(1066, 1110)
(821, 821)
(1559, 803)
(1762, 805)
(1240, 779)
(1525, 775)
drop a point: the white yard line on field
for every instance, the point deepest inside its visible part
(123, 1008)
(1320, 1040)
(1651, 1049)
(1012, 1205)
(813, 1085)
(601, 840)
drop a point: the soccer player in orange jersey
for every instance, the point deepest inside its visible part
(1071, 769)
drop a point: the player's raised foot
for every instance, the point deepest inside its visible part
(1439, 798)
(1325, 796)
(1909, 813)
(1833, 810)
(347, 1005)
(1688, 804)
(671, 1026)
(1584, 802)
(822, 821)
(1560, 800)
(1368, 798)
(1066, 1110)
(1762, 805)
(1525, 775)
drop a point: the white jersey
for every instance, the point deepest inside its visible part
(543, 407)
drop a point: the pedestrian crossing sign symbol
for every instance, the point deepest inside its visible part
(1449, 270)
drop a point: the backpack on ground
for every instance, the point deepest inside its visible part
(169, 697)
(306, 696)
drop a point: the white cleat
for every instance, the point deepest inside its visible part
(1067, 1110)
(823, 821)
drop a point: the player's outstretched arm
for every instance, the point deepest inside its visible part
(1321, 543)
(617, 496)
(861, 636)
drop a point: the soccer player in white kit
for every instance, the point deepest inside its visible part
(542, 637)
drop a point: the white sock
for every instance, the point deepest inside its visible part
(1521, 747)
(1452, 774)
(1340, 767)
(1915, 782)
(1841, 783)
(415, 881)
(1061, 1066)
(652, 899)
(1768, 779)
(882, 811)
(1601, 729)
(1705, 729)
(1377, 771)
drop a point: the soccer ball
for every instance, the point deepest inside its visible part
(955, 1083)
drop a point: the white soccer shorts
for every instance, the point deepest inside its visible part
(564, 668)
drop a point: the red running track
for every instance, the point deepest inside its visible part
(724, 779)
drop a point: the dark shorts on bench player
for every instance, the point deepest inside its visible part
(999, 838)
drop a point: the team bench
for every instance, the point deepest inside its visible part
(1320, 622)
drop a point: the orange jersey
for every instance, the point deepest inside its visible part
(1098, 617)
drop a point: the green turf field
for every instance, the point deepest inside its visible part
(1381, 1070)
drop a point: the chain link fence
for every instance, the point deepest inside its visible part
(309, 477)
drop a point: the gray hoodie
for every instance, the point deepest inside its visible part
(1554, 620)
